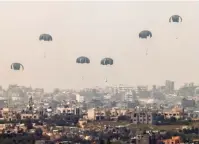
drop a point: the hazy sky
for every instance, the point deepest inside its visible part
(98, 30)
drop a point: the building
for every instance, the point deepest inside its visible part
(145, 139)
(142, 117)
(169, 86)
(96, 114)
(173, 140)
(69, 110)
(8, 114)
(174, 112)
(29, 115)
(130, 96)
(188, 103)
(79, 98)
(142, 91)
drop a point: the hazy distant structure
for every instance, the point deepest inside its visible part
(154, 88)
(30, 104)
(9, 101)
(169, 86)
(141, 88)
(188, 103)
(130, 96)
(142, 91)
(197, 91)
(187, 90)
(79, 98)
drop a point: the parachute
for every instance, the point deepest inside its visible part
(175, 19)
(107, 62)
(82, 60)
(17, 66)
(46, 38)
(145, 34)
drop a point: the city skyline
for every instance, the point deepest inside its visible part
(98, 30)
(168, 85)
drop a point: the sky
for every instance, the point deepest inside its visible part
(98, 30)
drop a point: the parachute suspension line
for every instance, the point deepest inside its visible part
(44, 54)
(45, 48)
(83, 65)
(146, 51)
(82, 76)
(106, 76)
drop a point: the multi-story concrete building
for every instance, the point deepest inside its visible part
(142, 117)
(29, 115)
(130, 96)
(169, 86)
(8, 114)
(69, 110)
(173, 140)
(96, 114)
(174, 112)
(79, 98)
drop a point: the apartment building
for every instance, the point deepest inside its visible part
(69, 110)
(142, 117)
(173, 140)
(29, 115)
(175, 112)
(8, 114)
(95, 114)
